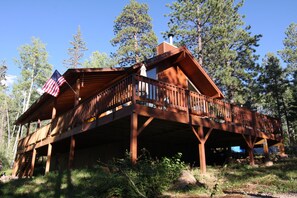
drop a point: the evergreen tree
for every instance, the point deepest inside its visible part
(76, 51)
(213, 31)
(293, 107)
(289, 53)
(273, 87)
(272, 84)
(133, 34)
(99, 60)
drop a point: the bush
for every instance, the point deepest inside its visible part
(148, 178)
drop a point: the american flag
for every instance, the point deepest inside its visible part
(52, 86)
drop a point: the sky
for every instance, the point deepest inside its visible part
(56, 21)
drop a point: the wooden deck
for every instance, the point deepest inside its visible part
(152, 99)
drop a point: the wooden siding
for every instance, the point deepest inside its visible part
(154, 96)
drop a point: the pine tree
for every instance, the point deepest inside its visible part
(289, 53)
(99, 60)
(76, 52)
(293, 107)
(213, 31)
(273, 87)
(134, 36)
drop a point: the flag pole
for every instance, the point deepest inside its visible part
(71, 88)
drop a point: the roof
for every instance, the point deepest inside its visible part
(93, 80)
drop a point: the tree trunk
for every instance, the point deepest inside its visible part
(136, 48)
(15, 145)
(30, 92)
(199, 30)
(8, 130)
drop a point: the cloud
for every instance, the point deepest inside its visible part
(9, 80)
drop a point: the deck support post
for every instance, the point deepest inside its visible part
(202, 157)
(48, 160)
(202, 139)
(251, 156)
(33, 162)
(266, 149)
(71, 152)
(250, 144)
(16, 165)
(133, 138)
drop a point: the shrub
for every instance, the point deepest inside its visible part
(148, 178)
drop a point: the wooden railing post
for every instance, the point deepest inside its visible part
(133, 89)
(187, 102)
(28, 128)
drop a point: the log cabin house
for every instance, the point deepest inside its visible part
(176, 108)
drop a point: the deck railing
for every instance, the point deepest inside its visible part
(155, 94)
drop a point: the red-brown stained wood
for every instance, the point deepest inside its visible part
(110, 95)
(133, 138)
(33, 162)
(71, 152)
(48, 160)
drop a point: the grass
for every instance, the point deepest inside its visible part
(235, 178)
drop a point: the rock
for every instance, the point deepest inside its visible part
(268, 163)
(185, 180)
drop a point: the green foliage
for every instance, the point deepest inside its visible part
(35, 70)
(289, 53)
(274, 91)
(272, 84)
(99, 60)
(133, 34)
(3, 70)
(76, 52)
(148, 178)
(111, 181)
(213, 30)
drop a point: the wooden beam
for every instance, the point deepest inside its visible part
(54, 110)
(251, 156)
(247, 141)
(28, 128)
(133, 138)
(16, 164)
(202, 139)
(77, 90)
(208, 133)
(33, 162)
(202, 157)
(48, 160)
(196, 134)
(38, 124)
(147, 122)
(71, 152)
(250, 145)
(266, 150)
